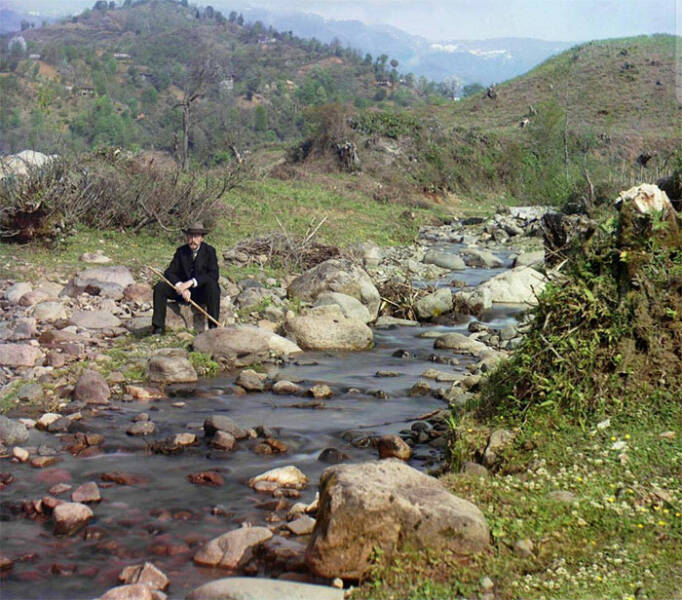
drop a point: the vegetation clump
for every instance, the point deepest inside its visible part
(609, 334)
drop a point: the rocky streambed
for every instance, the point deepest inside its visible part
(208, 478)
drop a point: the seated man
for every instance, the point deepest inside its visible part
(194, 273)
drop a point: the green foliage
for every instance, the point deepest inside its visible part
(388, 123)
(605, 339)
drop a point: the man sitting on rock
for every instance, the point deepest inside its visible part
(194, 274)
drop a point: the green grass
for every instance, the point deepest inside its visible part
(258, 208)
(622, 538)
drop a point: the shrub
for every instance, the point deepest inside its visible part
(107, 193)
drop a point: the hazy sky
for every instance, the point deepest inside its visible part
(545, 19)
(569, 20)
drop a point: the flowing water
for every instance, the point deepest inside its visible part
(164, 517)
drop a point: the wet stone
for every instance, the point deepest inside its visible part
(223, 441)
(301, 526)
(206, 478)
(332, 456)
(141, 428)
(87, 492)
(70, 517)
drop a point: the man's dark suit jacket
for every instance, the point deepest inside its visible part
(204, 268)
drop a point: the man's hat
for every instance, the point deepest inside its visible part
(195, 229)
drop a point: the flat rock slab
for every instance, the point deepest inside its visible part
(94, 319)
(171, 369)
(232, 548)
(19, 355)
(251, 588)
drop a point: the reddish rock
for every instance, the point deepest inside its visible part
(92, 388)
(122, 478)
(52, 476)
(55, 359)
(138, 292)
(5, 480)
(59, 488)
(393, 446)
(50, 503)
(63, 569)
(70, 517)
(88, 492)
(144, 393)
(40, 462)
(19, 355)
(206, 478)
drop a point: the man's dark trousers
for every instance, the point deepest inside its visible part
(183, 267)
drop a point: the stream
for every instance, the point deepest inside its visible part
(163, 517)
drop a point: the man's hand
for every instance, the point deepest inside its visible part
(186, 295)
(181, 286)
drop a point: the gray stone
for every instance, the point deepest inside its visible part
(530, 259)
(521, 285)
(94, 319)
(524, 548)
(301, 526)
(171, 369)
(386, 505)
(216, 423)
(241, 346)
(233, 548)
(49, 311)
(285, 388)
(337, 275)
(475, 257)
(87, 492)
(147, 574)
(141, 428)
(16, 291)
(460, 343)
(104, 281)
(473, 301)
(474, 469)
(30, 392)
(12, 432)
(435, 304)
(327, 328)
(24, 329)
(351, 307)
(452, 262)
(386, 322)
(251, 381)
(92, 388)
(222, 440)
(252, 588)
(498, 440)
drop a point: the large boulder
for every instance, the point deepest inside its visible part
(49, 312)
(102, 281)
(337, 275)
(521, 285)
(242, 345)
(16, 291)
(253, 588)
(387, 505)
(22, 163)
(435, 304)
(327, 328)
(460, 343)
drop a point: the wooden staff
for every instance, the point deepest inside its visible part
(192, 302)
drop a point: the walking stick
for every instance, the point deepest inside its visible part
(192, 302)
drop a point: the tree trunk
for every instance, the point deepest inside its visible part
(186, 115)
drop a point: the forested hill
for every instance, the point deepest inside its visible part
(117, 76)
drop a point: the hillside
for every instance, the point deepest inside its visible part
(118, 77)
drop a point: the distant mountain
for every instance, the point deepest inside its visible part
(10, 20)
(481, 61)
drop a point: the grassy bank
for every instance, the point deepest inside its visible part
(257, 208)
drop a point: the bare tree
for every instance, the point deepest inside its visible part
(202, 73)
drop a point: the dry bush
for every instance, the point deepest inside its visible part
(291, 252)
(107, 193)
